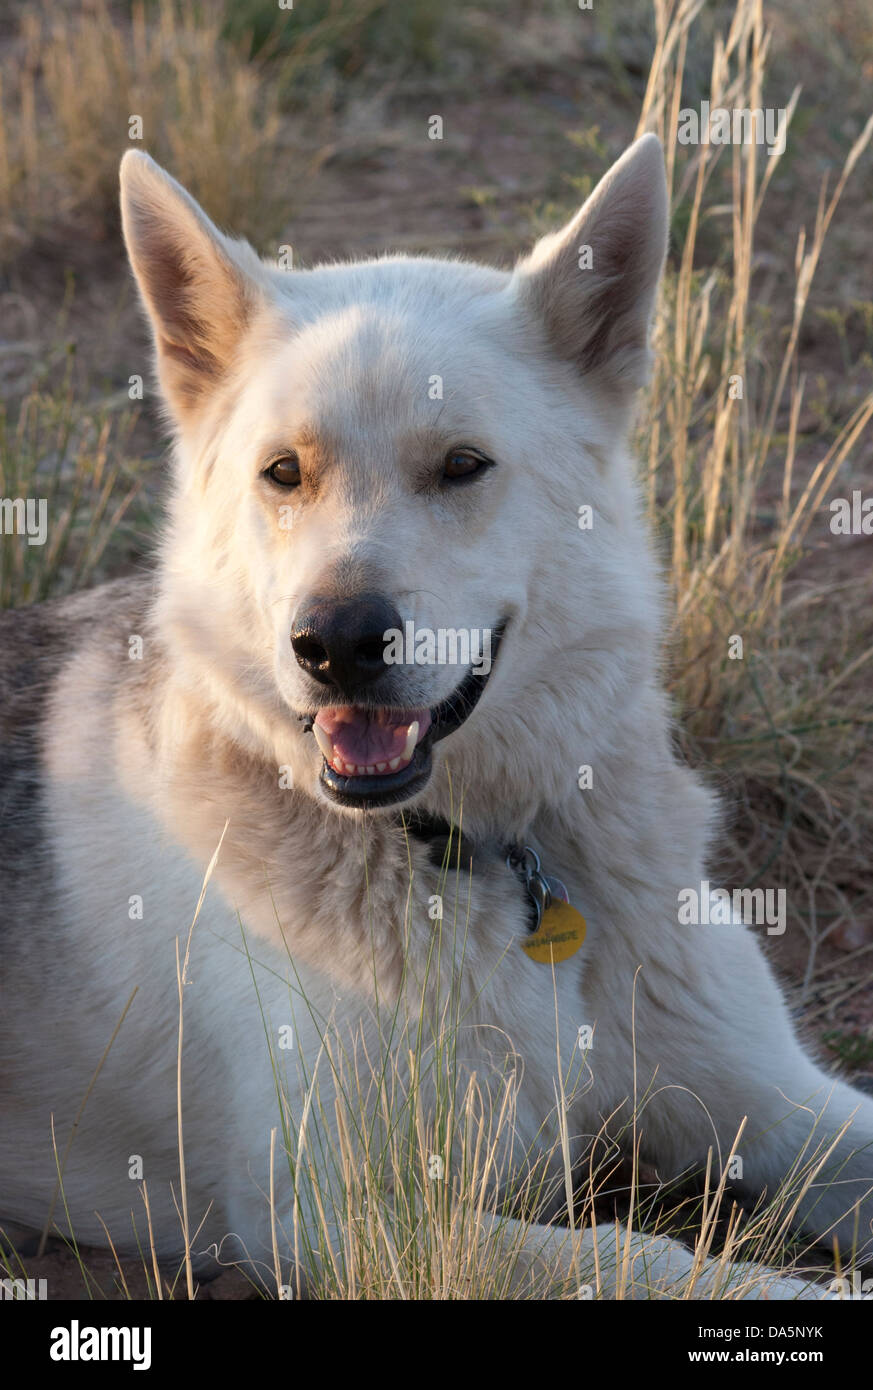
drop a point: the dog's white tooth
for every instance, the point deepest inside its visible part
(350, 769)
(323, 742)
(380, 767)
(411, 741)
(371, 768)
(394, 764)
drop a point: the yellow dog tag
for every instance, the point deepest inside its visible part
(559, 935)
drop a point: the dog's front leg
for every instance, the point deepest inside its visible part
(537, 1260)
(737, 1060)
(616, 1263)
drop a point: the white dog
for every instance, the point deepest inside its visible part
(390, 455)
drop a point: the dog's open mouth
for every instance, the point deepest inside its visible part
(356, 742)
(377, 756)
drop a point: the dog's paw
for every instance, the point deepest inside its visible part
(754, 1282)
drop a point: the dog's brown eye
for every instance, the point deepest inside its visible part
(285, 470)
(461, 464)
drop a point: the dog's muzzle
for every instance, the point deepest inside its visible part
(378, 755)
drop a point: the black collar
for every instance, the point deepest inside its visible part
(450, 848)
(441, 838)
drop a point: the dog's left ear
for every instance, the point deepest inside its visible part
(593, 283)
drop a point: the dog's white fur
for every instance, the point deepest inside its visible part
(145, 761)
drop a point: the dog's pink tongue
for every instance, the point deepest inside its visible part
(356, 741)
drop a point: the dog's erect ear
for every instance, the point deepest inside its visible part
(593, 283)
(199, 288)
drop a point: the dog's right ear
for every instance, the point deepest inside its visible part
(199, 288)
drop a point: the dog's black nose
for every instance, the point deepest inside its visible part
(341, 642)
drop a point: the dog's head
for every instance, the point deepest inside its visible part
(384, 477)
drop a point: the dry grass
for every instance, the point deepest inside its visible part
(69, 111)
(74, 460)
(735, 490)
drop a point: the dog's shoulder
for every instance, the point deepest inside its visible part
(36, 642)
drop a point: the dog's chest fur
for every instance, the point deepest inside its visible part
(140, 787)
